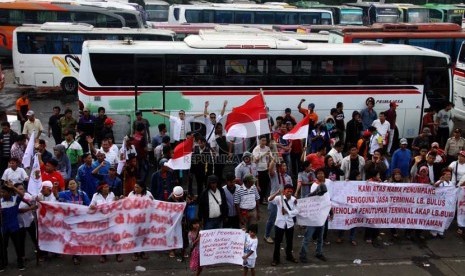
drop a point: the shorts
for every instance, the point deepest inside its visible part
(249, 263)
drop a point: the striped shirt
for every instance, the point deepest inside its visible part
(246, 198)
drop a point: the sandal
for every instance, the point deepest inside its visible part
(354, 243)
(459, 231)
(103, 259)
(135, 257)
(119, 258)
(172, 255)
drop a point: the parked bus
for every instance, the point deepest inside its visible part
(170, 76)
(247, 14)
(459, 85)
(412, 13)
(49, 55)
(375, 12)
(157, 10)
(445, 13)
(443, 37)
(343, 15)
(17, 13)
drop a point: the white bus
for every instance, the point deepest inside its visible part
(157, 10)
(170, 76)
(48, 55)
(459, 84)
(247, 14)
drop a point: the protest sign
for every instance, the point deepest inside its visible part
(392, 205)
(461, 207)
(221, 246)
(313, 211)
(124, 226)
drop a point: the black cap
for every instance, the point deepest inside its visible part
(212, 179)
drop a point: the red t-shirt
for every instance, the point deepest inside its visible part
(316, 161)
(52, 177)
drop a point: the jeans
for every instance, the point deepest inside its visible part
(272, 212)
(213, 223)
(264, 184)
(308, 237)
(279, 234)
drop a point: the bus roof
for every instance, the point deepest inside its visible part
(404, 27)
(244, 7)
(60, 27)
(181, 47)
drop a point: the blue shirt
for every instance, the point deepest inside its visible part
(88, 182)
(103, 170)
(67, 196)
(10, 210)
(401, 160)
(116, 185)
(368, 117)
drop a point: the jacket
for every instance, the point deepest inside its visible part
(204, 208)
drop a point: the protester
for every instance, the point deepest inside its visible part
(19, 147)
(27, 208)
(194, 244)
(213, 207)
(353, 165)
(67, 122)
(454, 145)
(331, 170)
(178, 195)
(219, 147)
(14, 173)
(246, 201)
(7, 138)
(317, 159)
(86, 179)
(284, 225)
(140, 191)
(211, 120)
(163, 181)
(99, 124)
(304, 180)
(48, 172)
(353, 130)
(444, 121)
(424, 139)
(64, 165)
(22, 107)
(368, 115)
(250, 249)
(54, 128)
(140, 120)
(230, 190)
(458, 168)
(444, 181)
(336, 153)
(261, 156)
(401, 158)
(129, 175)
(244, 168)
(339, 118)
(181, 126)
(73, 150)
(391, 117)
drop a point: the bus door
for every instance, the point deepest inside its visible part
(149, 83)
(459, 84)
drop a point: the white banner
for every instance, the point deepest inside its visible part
(392, 205)
(222, 246)
(461, 207)
(314, 210)
(35, 180)
(124, 226)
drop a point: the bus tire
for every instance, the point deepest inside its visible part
(69, 85)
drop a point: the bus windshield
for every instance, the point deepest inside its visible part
(351, 17)
(387, 15)
(417, 15)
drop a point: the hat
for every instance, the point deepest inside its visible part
(109, 121)
(162, 162)
(212, 179)
(249, 178)
(287, 110)
(311, 105)
(366, 133)
(246, 154)
(47, 184)
(30, 113)
(427, 131)
(462, 152)
(435, 144)
(178, 191)
(403, 141)
(393, 103)
(288, 186)
(138, 112)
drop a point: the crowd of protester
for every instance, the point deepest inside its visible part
(233, 176)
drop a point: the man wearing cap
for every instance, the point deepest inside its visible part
(213, 207)
(246, 200)
(31, 125)
(101, 167)
(284, 225)
(401, 159)
(163, 181)
(107, 130)
(211, 120)
(391, 116)
(424, 139)
(47, 192)
(244, 168)
(440, 154)
(48, 172)
(454, 145)
(368, 115)
(67, 122)
(178, 195)
(145, 122)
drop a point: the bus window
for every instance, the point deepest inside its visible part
(176, 14)
(243, 17)
(445, 45)
(286, 18)
(224, 17)
(264, 17)
(436, 83)
(326, 19)
(148, 71)
(309, 18)
(16, 18)
(435, 16)
(107, 75)
(46, 16)
(193, 16)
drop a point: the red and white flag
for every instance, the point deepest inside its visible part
(300, 130)
(35, 180)
(182, 154)
(249, 119)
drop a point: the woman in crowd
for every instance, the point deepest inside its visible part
(140, 190)
(26, 219)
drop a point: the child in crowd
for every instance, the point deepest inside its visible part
(194, 244)
(250, 249)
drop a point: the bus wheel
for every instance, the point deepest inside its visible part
(69, 85)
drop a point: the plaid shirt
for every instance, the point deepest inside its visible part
(18, 151)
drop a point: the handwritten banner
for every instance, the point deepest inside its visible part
(124, 226)
(221, 246)
(392, 205)
(461, 207)
(313, 211)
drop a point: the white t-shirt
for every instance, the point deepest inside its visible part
(260, 154)
(15, 176)
(147, 195)
(250, 245)
(460, 173)
(382, 128)
(25, 219)
(214, 202)
(98, 199)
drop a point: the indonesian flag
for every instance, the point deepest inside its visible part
(300, 131)
(35, 180)
(29, 153)
(182, 154)
(248, 120)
